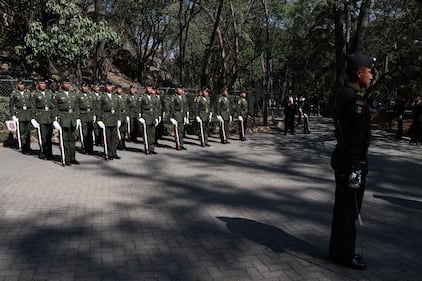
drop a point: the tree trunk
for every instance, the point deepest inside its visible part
(362, 24)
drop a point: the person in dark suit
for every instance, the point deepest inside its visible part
(352, 120)
(289, 113)
(110, 110)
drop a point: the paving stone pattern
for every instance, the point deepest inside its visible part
(255, 210)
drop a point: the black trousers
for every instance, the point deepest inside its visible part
(46, 134)
(347, 205)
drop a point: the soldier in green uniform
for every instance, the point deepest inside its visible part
(203, 111)
(242, 111)
(96, 106)
(180, 112)
(352, 122)
(148, 113)
(45, 112)
(123, 114)
(223, 110)
(133, 111)
(21, 106)
(159, 110)
(110, 108)
(68, 111)
(86, 115)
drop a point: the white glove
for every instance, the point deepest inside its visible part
(210, 115)
(78, 123)
(139, 115)
(159, 119)
(185, 121)
(119, 123)
(355, 179)
(156, 122)
(56, 118)
(14, 118)
(231, 119)
(95, 118)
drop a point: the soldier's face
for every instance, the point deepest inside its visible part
(20, 86)
(132, 91)
(149, 90)
(41, 86)
(66, 86)
(205, 94)
(365, 76)
(108, 88)
(84, 89)
(179, 91)
(119, 91)
(96, 89)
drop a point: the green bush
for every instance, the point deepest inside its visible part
(4, 110)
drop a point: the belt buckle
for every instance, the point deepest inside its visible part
(46, 108)
(70, 110)
(24, 107)
(113, 111)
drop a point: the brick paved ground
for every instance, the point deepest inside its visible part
(259, 210)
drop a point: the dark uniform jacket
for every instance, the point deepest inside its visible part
(179, 107)
(67, 108)
(242, 107)
(86, 107)
(22, 105)
(223, 108)
(45, 110)
(352, 122)
(132, 105)
(203, 108)
(147, 108)
(110, 108)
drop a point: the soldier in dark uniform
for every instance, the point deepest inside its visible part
(45, 112)
(148, 113)
(133, 111)
(349, 159)
(21, 105)
(96, 105)
(123, 114)
(289, 113)
(86, 115)
(68, 111)
(110, 108)
(203, 111)
(159, 110)
(242, 111)
(223, 110)
(416, 136)
(180, 112)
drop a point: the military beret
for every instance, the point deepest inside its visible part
(358, 60)
(84, 84)
(108, 82)
(96, 83)
(148, 84)
(179, 86)
(19, 81)
(119, 86)
(132, 87)
(42, 80)
(205, 89)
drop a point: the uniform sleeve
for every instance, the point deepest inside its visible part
(12, 108)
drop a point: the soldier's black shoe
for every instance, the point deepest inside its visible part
(184, 148)
(207, 144)
(355, 263)
(76, 162)
(68, 163)
(153, 152)
(116, 157)
(42, 156)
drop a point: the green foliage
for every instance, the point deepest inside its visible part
(4, 110)
(67, 40)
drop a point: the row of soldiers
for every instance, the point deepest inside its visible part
(111, 117)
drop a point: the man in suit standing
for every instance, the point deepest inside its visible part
(110, 108)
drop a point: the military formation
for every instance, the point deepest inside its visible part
(109, 118)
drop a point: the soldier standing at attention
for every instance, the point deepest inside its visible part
(86, 115)
(204, 112)
(132, 107)
(67, 110)
(109, 104)
(242, 111)
(289, 113)
(21, 106)
(45, 112)
(123, 114)
(96, 106)
(223, 110)
(158, 107)
(147, 103)
(352, 122)
(180, 112)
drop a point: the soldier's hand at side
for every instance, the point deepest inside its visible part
(156, 122)
(355, 179)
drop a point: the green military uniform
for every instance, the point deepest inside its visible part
(223, 109)
(68, 112)
(86, 115)
(96, 106)
(21, 105)
(110, 108)
(179, 111)
(123, 113)
(352, 119)
(133, 111)
(203, 111)
(242, 110)
(148, 113)
(45, 112)
(158, 113)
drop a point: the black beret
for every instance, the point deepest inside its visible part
(42, 80)
(132, 86)
(119, 86)
(84, 84)
(19, 81)
(148, 84)
(205, 89)
(108, 82)
(96, 83)
(359, 60)
(179, 86)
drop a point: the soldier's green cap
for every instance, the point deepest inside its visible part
(359, 60)
(19, 81)
(65, 80)
(108, 82)
(42, 80)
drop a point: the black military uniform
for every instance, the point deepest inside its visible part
(289, 113)
(352, 123)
